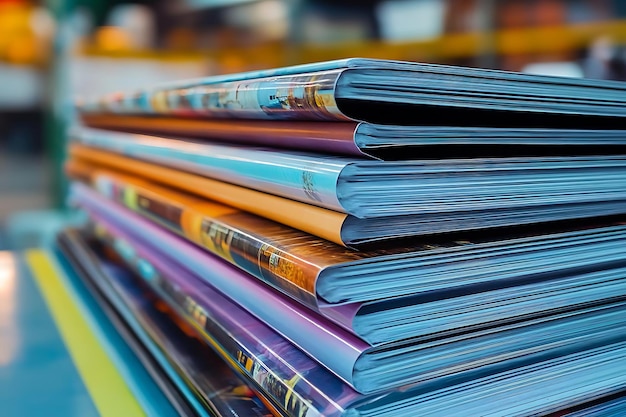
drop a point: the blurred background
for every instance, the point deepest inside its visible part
(54, 52)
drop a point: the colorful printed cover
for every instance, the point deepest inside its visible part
(185, 360)
(302, 177)
(327, 224)
(338, 349)
(308, 96)
(250, 242)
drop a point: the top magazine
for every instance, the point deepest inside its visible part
(389, 92)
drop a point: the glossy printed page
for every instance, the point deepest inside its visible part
(334, 346)
(285, 258)
(305, 177)
(185, 360)
(308, 96)
(317, 136)
(324, 223)
(295, 382)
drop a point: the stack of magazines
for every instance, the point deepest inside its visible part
(364, 237)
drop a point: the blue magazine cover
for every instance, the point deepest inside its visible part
(380, 91)
(371, 189)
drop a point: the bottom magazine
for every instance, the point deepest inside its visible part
(299, 386)
(193, 377)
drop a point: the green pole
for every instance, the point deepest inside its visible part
(57, 115)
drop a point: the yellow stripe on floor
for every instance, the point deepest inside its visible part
(107, 387)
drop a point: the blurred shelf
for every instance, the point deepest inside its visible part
(532, 40)
(147, 54)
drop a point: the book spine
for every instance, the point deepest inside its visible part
(314, 136)
(285, 380)
(308, 96)
(249, 252)
(292, 175)
(263, 260)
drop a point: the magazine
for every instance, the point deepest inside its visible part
(367, 188)
(386, 142)
(390, 92)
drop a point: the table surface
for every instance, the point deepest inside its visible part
(59, 355)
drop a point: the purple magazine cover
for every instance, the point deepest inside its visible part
(330, 344)
(291, 378)
(295, 382)
(325, 137)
